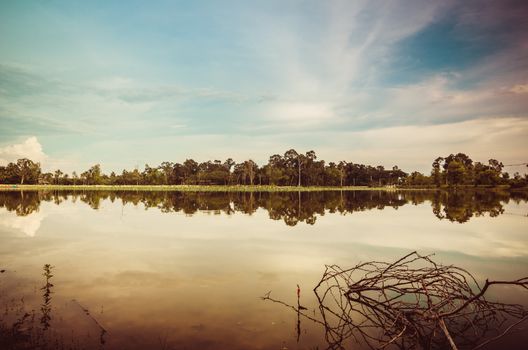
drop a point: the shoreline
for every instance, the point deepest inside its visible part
(234, 188)
(189, 188)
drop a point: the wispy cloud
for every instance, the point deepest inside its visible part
(519, 89)
(299, 73)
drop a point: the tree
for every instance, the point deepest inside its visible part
(167, 168)
(190, 169)
(250, 169)
(463, 166)
(333, 175)
(456, 173)
(487, 175)
(275, 170)
(56, 175)
(436, 173)
(291, 169)
(228, 165)
(93, 175)
(151, 176)
(112, 180)
(27, 171)
(45, 178)
(496, 165)
(84, 177)
(313, 170)
(293, 160)
(398, 174)
(418, 179)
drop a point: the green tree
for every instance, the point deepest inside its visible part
(275, 170)
(456, 173)
(93, 176)
(167, 170)
(436, 173)
(27, 171)
(250, 169)
(75, 177)
(57, 176)
(190, 170)
(293, 161)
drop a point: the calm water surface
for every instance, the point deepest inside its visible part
(169, 270)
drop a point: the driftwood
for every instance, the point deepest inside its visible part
(412, 303)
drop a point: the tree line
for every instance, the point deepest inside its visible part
(459, 169)
(290, 169)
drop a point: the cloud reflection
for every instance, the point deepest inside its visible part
(28, 225)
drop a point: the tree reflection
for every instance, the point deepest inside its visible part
(462, 206)
(22, 203)
(290, 207)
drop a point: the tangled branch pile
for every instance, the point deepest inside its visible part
(412, 303)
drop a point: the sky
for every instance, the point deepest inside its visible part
(125, 84)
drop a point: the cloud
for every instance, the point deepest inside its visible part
(436, 100)
(112, 106)
(300, 114)
(404, 229)
(411, 147)
(30, 148)
(338, 51)
(274, 76)
(133, 91)
(338, 78)
(414, 147)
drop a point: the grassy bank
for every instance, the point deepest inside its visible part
(235, 188)
(186, 188)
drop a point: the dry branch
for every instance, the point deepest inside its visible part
(412, 303)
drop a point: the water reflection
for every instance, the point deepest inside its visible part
(27, 224)
(22, 326)
(290, 207)
(396, 305)
(130, 278)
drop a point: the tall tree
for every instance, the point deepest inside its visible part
(27, 170)
(293, 161)
(93, 175)
(342, 167)
(167, 169)
(456, 173)
(190, 169)
(250, 168)
(436, 173)
(57, 175)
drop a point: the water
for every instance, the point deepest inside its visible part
(169, 270)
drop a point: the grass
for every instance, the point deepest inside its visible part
(188, 188)
(231, 188)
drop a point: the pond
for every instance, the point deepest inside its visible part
(186, 270)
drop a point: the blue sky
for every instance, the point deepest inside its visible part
(386, 82)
